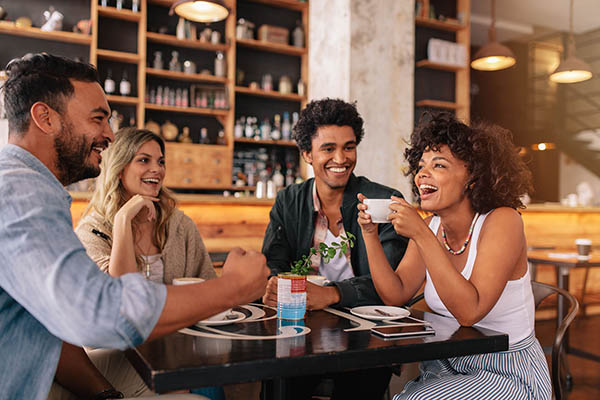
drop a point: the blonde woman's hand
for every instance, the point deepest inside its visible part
(137, 205)
(364, 218)
(405, 218)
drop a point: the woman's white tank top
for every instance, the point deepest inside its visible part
(514, 313)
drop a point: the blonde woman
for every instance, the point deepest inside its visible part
(132, 224)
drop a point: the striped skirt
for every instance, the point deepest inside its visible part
(521, 372)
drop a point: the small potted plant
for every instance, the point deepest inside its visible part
(291, 286)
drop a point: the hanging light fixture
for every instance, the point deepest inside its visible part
(571, 69)
(493, 56)
(200, 10)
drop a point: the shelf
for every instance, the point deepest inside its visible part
(123, 99)
(439, 66)
(182, 76)
(187, 110)
(289, 4)
(272, 47)
(194, 44)
(434, 23)
(268, 93)
(125, 15)
(289, 143)
(57, 36)
(121, 56)
(438, 104)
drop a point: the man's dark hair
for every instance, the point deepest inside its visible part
(326, 112)
(498, 176)
(40, 77)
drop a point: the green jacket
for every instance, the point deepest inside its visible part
(291, 228)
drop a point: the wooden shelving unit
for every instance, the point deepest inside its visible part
(192, 44)
(289, 4)
(438, 104)
(187, 110)
(125, 15)
(268, 93)
(36, 33)
(459, 32)
(127, 100)
(438, 66)
(272, 47)
(289, 143)
(181, 76)
(120, 56)
(437, 24)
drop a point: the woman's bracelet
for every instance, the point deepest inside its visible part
(108, 394)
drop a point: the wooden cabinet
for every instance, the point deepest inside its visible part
(124, 42)
(440, 85)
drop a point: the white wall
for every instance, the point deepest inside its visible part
(3, 132)
(363, 51)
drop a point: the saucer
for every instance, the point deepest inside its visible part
(225, 321)
(369, 312)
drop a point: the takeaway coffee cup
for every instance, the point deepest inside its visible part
(190, 280)
(584, 247)
(379, 209)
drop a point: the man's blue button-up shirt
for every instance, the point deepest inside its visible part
(50, 290)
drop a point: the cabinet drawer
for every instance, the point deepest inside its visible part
(195, 166)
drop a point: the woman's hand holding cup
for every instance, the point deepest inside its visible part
(405, 218)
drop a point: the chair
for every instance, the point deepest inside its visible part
(540, 292)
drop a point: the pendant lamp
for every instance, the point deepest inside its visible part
(200, 10)
(571, 69)
(493, 56)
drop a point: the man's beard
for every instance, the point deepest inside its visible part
(72, 152)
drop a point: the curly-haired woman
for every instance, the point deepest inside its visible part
(471, 254)
(132, 224)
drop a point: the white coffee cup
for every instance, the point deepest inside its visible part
(191, 280)
(379, 209)
(584, 247)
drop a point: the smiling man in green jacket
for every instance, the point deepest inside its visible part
(321, 210)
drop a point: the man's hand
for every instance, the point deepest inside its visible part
(270, 295)
(248, 271)
(319, 297)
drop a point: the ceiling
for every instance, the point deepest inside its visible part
(517, 18)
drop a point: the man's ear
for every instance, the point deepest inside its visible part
(307, 157)
(44, 117)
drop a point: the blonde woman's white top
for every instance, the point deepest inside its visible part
(514, 312)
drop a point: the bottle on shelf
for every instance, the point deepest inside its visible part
(124, 85)
(289, 174)
(298, 35)
(174, 64)
(157, 63)
(276, 131)
(220, 68)
(132, 120)
(180, 29)
(178, 97)
(185, 135)
(221, 138)
(135, 5)
(104, 3)
(115, 121)
(204, 136)
(172, 97)
(265, 129)
(119, 4)
(286, 127)
(301, 88)
(249, 128)
(184, 98)
(238, 129)
(159, 95)
(294, 119)
(109, 83)
(278, 178)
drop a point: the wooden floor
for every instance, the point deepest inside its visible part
(585, 335)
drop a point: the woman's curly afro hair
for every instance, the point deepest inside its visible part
(498, 177)
(326, 112)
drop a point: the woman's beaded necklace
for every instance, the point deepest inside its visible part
(464, 246)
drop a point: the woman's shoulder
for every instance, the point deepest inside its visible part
(504, 219)
(91, 220)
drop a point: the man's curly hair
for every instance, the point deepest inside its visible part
(498, 177)
(326, 112)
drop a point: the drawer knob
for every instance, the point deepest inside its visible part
(217, 161)
(187, 180)
(217, 180)
(187, 160)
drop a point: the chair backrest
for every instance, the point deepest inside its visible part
(540, 292)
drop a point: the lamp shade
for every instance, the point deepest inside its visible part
(493, 57)
(200, 10)
(571, 69)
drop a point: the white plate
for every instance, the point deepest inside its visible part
(225, 321)
(369, 312)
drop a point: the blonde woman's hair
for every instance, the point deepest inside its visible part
(110, 195)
